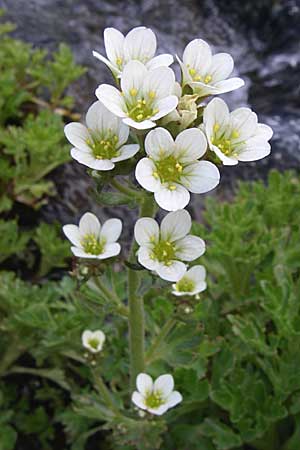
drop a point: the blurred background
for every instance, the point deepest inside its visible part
(261, 35)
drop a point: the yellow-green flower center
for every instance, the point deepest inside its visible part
(154, 399)
(92, 245)
(185, 285)
(197, 77)
(225, 142)
(168, 170)
(140, 109)
(164, 251)
(94, 343)
(104, 147)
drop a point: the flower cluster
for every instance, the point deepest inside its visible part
(175, 137)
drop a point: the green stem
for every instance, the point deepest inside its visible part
(111, 295)
(104, 392)
(126, 190)
(136, 307)
(165, 330)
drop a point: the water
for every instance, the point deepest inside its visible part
(262, 36)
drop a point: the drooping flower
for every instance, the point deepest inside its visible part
(172, 169)
(91, 240)
(100, 144)
(139, 44)
(155, 397)
(207, 74)
(146, 95)
(163, 249)
(235, 136)
(192, 283)
(93, 340)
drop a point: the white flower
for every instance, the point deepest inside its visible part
(235, 136)
(101, 144)
(93, 340)
(90, 240)
(207, 74)
(162, 249)
(146, 95)
(172, 169)
(139, 44)
(192, 283)
(157, 397)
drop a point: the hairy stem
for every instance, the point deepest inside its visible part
(111, 295)
(136, 307)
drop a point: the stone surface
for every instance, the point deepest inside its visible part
(261, 35)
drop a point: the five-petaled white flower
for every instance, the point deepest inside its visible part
(146, 95)
(192, 283)
(172, 169)
(139, 44)
(207, 74)
(101, 144)
(162, 249)
(235, 136)
(157, 397)
(93, 340)
(90, 240)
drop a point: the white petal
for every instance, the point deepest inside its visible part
(122, 133)
(160, 60)
(144, 175)
(140, 44)
(172, 200)
(197, 273)
(100, 336)
(264, 131)
(110, 251)
(226, 160)
(126, 152)
(198, 55)
(132, 77)
(221, 67)
(144, 258)
(138, 400)
(164, 385)
(111, 230)
(144, 383)
(174, 398)
(200, 177)
(190, 248)
(78, 135)
(72, 233)
(244, 120)
(160, 81)
(191, 144)
(112, 99)
(146, 231)
(159, 143)
(216, 112)
(159, 410)
(173, 272)
(175, 225)
(89, 224)
(229, 85)
(100, 119)
(86, 336)
(165, 106)
(80, 253)
(114, 42)
(256, 149)
(144, 125)
(113, 67)
(90, 161)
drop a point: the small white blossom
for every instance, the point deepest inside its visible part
(192, 283)
(162, 249)
(207, 74)
(235, 136)
(100, 144)
(146, 95)
(155, 397)
(139, 44)
(91, 240)
(93, 340)
(172, 169)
